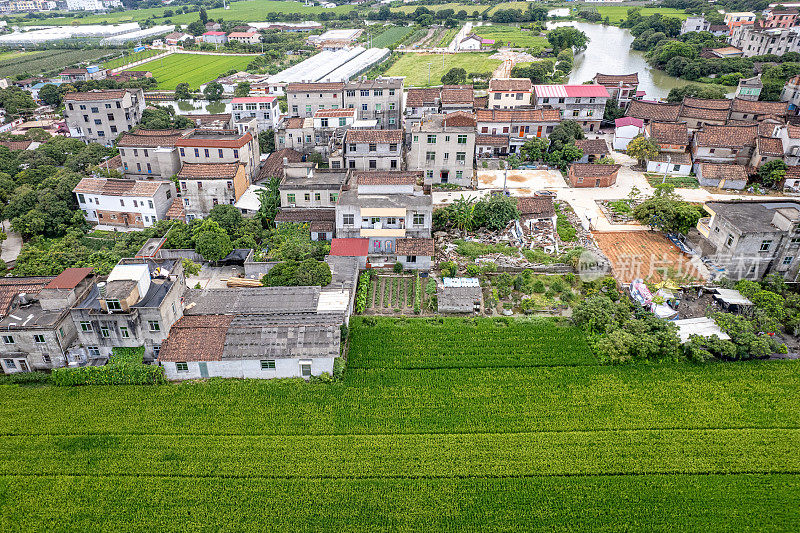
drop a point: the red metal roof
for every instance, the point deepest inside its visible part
(571, 91)
(214, 33)
(251, 99)
(350, 247)
(629, 121)
(69, 278)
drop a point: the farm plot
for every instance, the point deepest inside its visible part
(391, 37)
(417, 67)
(130, 57)
(512, 36)
(469, 447)
(194, 69)
(617, 14)
(50, 61)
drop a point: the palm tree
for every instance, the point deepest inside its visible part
(464, 214)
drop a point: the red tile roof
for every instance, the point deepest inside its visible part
(491, 140)
(273, 166)
(510, 85)
(457, 94)
(350, 247)
(411, 246)
(147, 138)
(726, 136)
(110, 94)
(727, 172)
(760, 107)
(422, 97)
(589, 170)
(209, 171)
(388, 177)
(16, 145)
(206, 139)
(541, 206)
(118, 187)
(614, 79)
(374, 136)
(334, 113)
(176, 210)
(69, 278)
(592, 146)
(196, 338)
(669, 133)
(654, 111)
(770, 146)
(10, 288)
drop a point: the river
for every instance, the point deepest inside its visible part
(609, 52)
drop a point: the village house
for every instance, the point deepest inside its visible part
(150, 153)
(443, 147)
(491, 145)
(593, 150)
(649, 111)
(305, 99)
(256, 333)
(296, 133)
(790, 140)
(749, 88)
(321, 222)
(757, 110)
(470, 42)
(625, 129)
(419, 103)
(329, 127)
(724, 144)
(380, 100)
(592, 175)
(177, 38)
(457, 98)
(518, 125)
(509, 93)
(72, 75)
(134, 306)
(673, 141)
(791, 180)
(386, 208)
(691, 24)
(211, 146)
(722, 176)
(134, 204)
(739, 18)
(100, 116)
(264, 109)
(214, 37)
(791, 93)
(756, 40)
(785, 17)
(536, 211)
(751, 239)
(304, 186)
(205, 185)
(767, 149)
(697, 112)
(373, 149)
(244, 37)
(585, 104)
(621, 87)
(36, 322)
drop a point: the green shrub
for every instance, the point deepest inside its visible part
(473, 270)
(430, 288)
(448, 268)
(538, 286)
(558, 285)
(398, 268)
(417, 295)
(124, 367)
(322, 378)
(25, 377)
(298, 273)
(338, 369)
(364, 283)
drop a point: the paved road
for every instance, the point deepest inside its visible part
(12, 245)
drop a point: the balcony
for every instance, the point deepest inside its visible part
(383, 232)
(703, 227)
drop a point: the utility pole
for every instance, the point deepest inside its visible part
(429, 72)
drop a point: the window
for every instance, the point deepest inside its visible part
(729, 241)
(81, 198)
(39, 339)
(373, 147)
(459, 174)
(416, 138)
(364, 92)
(348, 219)
(305, 368)
(113, 129)
(430, 157)
(268, 364)
(113, 305)
(101, 133)
(446, 156)
(393, 147)
(411, 259)
(236, 154)
(86, 326)
(431, 139)
(229, 184)
(205, 152)
(342, 121)
(61, 332)
(8, 339)
(429, 174)
(317, 197)
(153, 325)
(391, 106)
(124, 332)
(324, 122)
(373, 164)
(334, 196)
(46, 358)
(110, 116)
(182, 367)
(788, 260)
(104, 331)
(462, 139)
(182, 152)
(497, 96)
(461, 156)
(186, 201)
(391, 92)
(795, 240)
(419, 219)
(291, 198)
(576, 112)
(364, 107)
(150, 202)
(156, 350)
(765, 246)
(307, 197)
(197, 152)
(10, 364)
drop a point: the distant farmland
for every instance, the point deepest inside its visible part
(416, 66)
(48, 61)
(194, 69)
(130, 57)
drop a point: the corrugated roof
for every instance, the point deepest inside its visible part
(110, 94)
(570, 91)
(69, 278)
(118, 187)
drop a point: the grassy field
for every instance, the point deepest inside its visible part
(416, 437)
(194, 69)
(455, 6)
(391, 37)
(48, 61)
(415, 66)
(130, 57)
(618, 13)
(249, 10)
(511, 35)
(448, 36)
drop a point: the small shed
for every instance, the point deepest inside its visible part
(703, 326)
(460, 295)
(731, 300)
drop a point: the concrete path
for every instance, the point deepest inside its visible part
(140, 62)
(10, 247)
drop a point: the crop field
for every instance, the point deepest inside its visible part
(250, 10)
(619, 13)
(512, 36)
(416, 438)
(391, 37)
(130, 57)
(48, 61)
(417, 66)
(455, 6)
(194, 69)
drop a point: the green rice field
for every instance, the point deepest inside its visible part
(416, 66)
(617, 14)
(438, 425)
(391, 37)
(194, 69)
(511, 36)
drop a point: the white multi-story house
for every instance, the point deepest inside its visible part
(124, 203)
(509, 93)
(220, 146)
(264, 109)
(205, 185)
(373, 149)
(246, 37)
(585, 104)
(150, 153)
(443, 147)
(100, 116)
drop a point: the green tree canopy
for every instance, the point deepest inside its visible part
(213, 91)
(211, 241)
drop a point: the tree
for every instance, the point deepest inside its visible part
(772, 172)
(242, 89)
(227, 217)
(677, 94)
(641, 148)
(270, 200)
(14, 100)
(455, 76)
(183, 91)
(612, 110)
(203, 15)
(565, 133)
(534, 149)
(309, 272)
(567, 37)
(463, 213)
(211, 241)
(668, 214)
(196, 28)
(564, 158)
(50, 95)
(213, 91)
(496, 212)
(266, 141)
